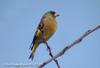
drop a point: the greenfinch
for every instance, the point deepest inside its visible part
(45, 30)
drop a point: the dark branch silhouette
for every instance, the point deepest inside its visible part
(69, 46)
(50, 53)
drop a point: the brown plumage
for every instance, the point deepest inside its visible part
(45, 30)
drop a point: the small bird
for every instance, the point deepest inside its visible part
(45, 30)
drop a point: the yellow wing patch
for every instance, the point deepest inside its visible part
(38, 33)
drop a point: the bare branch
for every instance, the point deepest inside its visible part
(50, 53)
(69, 46)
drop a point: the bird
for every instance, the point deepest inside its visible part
(46, 28)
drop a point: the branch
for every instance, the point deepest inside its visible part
(50, 53)
(69, 46)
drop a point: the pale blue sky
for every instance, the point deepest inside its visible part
(20, 18)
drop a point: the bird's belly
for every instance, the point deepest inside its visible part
(50, 30)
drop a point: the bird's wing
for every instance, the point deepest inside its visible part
(37, 33)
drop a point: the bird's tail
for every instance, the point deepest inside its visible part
(33, 50)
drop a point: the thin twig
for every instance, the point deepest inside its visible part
(69, 46)
(50, 53)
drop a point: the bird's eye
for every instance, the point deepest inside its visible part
(52, 12)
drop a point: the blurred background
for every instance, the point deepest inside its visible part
(20, 18)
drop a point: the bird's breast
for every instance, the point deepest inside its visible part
(50, 28)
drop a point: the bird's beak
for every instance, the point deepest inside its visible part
(56, 15)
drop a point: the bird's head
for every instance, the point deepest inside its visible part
(53, 13)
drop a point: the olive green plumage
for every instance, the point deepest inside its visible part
(45, 30)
